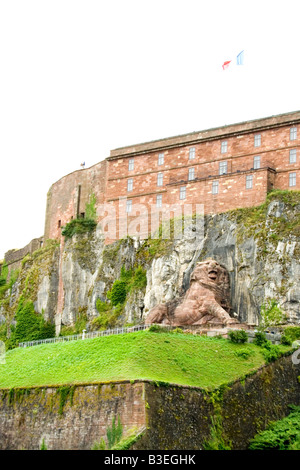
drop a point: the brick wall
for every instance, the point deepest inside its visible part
(67, 197)
(256, 157)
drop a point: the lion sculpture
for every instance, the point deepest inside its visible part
(206, 301)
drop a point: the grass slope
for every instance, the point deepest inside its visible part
(177, 358)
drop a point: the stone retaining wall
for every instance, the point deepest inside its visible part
(176, 417)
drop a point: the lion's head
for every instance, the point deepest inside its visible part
(213, 276)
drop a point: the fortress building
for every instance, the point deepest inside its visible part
(222, 168)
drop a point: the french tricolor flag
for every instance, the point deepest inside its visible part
(239, 61)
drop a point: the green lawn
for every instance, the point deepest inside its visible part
(177, 358)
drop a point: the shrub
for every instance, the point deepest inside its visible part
(238, 336)
(99, 445)
(139, 279)
(130, 279)
(43, 445)
(244, 353)
(177, 330)
(271, 314)
(293, 332)
(114, 433)
(108, 315)
(280, 435)
(102, 306)
(260, 338)
(134, 278)
(30, 325)
(157, 329)
(271, 352)
(286, 340)
(76, 226)
(118, 292)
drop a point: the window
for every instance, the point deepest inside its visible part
(292, 179)
(222, 168)
(293, 156)
(59, 224)
(293, 133)
(130, 184)
(256, 162)
(224, 146)
(249, 181)
(192, 153)
(159, 200)
(128, 205)
(160, 178)
(182, 194)
(161, 159)
(131, 164)
(257, 140)
(191, 174)
(215, 187)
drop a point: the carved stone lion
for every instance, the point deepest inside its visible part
(206, 301)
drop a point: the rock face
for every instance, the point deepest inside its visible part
(259, 248)
(81, 260)
(207, 300)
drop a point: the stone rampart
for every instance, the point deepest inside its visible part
(175, 417)
(13, 257)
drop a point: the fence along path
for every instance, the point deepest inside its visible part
(84, 335)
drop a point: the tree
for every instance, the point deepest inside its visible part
(271, 314)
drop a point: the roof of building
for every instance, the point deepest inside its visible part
(245, 127)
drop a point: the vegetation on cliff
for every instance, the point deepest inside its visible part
(252, 220)
(22, 322)
(85, 224)
(76, 226)
(184, 359)
(110, 312)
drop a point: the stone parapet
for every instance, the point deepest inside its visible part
(14, 256)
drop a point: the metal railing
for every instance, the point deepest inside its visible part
(84, 335)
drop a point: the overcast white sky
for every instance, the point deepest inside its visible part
(81, 77)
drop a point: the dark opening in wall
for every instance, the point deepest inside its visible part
(59, 224)
(82, 215)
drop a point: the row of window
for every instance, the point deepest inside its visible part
(223, 167)
(161, 158)
(224, 148)
(215, 190)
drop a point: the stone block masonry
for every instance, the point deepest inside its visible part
(13, 258)
(223, 168)
(68, 417)
(175, 417)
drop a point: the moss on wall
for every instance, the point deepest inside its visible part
(175, 417)
(226, 418)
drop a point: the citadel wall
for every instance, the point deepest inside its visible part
(170, 416)
(223, 168)
(67, 197)
(13, 258)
